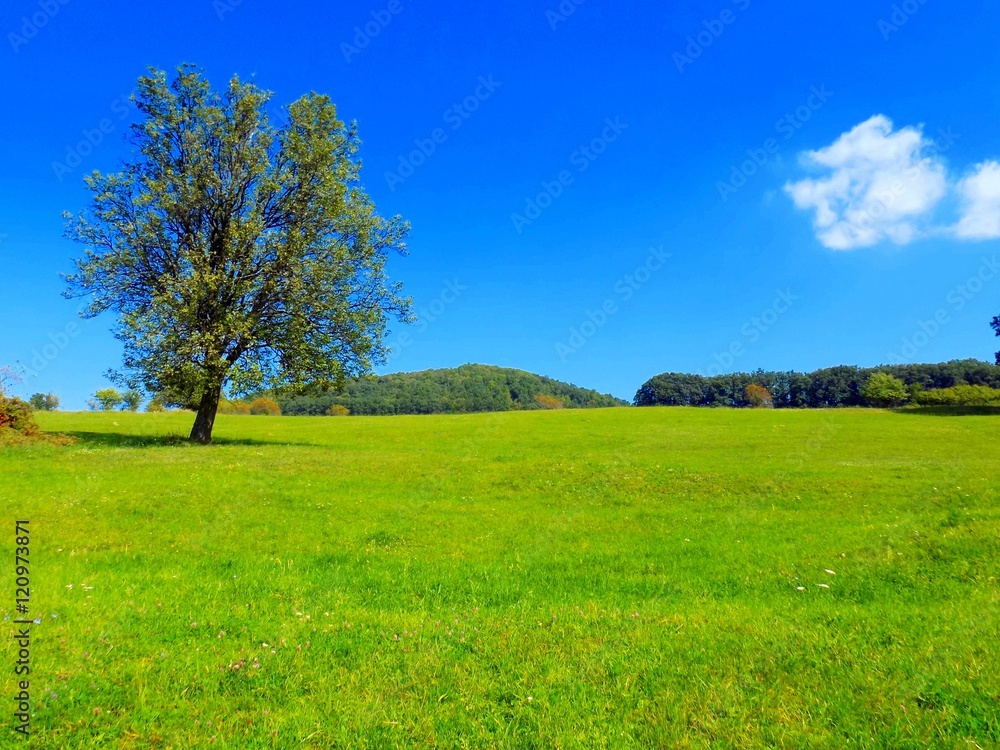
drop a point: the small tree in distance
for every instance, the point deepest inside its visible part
(44, 402)
(884, 391)
(106, 399)
(758, 396)
(338, 410)
(131, 400)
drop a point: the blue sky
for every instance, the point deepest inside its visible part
(599, 192)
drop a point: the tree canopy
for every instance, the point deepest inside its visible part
(831, 386)
(469, 388)
(235, 253)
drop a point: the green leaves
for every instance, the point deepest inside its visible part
(235, 252)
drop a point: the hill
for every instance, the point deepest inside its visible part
(459, 390)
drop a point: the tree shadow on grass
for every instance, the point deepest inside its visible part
(118, 440)
(950, 411)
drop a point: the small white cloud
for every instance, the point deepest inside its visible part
(980, 194)
(881, 186)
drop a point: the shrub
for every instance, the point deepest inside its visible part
(44, 402)
(265, 406)
(16, 415)
(155, 406)
(338, 410)
(549, 402)
(884, 390)
(959, 395)
(758, 396)
(233, 407)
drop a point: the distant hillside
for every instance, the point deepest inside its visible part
(832, 386)
(469, 388)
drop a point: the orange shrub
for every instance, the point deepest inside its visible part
(265, 406)
(549, 402)
(758, 396)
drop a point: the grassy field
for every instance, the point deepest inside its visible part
(611, 579)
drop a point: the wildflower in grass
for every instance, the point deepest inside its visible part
(831, 572)
(822, 585)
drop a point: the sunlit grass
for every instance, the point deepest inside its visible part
(612, 578)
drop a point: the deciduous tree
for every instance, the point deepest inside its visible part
(235, 253)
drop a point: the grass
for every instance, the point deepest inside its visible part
(604, 579)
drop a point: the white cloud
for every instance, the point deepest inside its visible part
(980, 194)
(882, 184)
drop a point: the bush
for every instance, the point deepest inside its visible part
(233, 407)
(549, 402)
(265, 407)
(16, 416)
(959, 395)
(338, 410)
(758, 396)
(884, 390)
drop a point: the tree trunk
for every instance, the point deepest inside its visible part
(205, 421)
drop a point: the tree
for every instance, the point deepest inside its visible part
(106, 399)
(44, 402)
(237, 254)
(131, 400)
(758, 396)
(338, 410)
(884, 390)
(995, 325)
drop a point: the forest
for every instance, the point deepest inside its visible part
(828, 387)
(465, 389)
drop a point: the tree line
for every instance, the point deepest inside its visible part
(465, 389)
(828, 387)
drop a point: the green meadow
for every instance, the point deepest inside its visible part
(619, 578)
